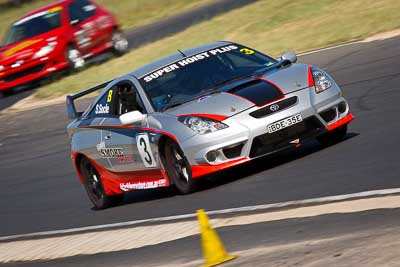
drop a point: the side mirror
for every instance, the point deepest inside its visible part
(291, 56)
(131, 117)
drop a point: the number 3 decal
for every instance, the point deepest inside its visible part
(143, 145)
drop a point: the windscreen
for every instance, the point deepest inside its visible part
(201, 74)
(33, 25)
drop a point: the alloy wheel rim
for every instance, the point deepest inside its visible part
(75, 57)
(94, 183)
(179, 165)
(119, 42)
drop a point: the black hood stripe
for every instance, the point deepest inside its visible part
(259, 91)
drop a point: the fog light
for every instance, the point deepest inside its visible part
(212, 156)
(342, 107)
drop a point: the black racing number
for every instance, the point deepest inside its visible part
(143, 144)
(144, 149)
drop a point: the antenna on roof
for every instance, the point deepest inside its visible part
(183, 54)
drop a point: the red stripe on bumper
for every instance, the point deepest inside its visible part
(201, 170)
(349, 117)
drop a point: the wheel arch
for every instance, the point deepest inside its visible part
(76, 159)
(161, 151)
(70, 43)
(161, 148)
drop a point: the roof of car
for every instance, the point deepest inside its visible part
(175, 57)
(44, 8)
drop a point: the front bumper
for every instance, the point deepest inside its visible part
(247, 136)
(29, 71)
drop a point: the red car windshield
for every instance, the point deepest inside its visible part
(33, 25)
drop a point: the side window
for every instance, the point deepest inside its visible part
(119, 99)
(126, 99)
(80, 10)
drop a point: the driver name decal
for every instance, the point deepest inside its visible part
(189, 60)
(102, 109)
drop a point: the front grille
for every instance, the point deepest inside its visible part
(268, 143)
(233, 152)
(262, 112)
(20, 74)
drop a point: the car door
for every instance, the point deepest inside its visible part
(82, 19)
(134, 148)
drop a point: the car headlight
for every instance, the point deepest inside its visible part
(45, 50)
(1, 68)
(321, 80)
(202, 125)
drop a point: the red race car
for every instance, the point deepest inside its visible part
(59, 36)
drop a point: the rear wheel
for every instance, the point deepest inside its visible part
(119, 43)
(94, 187)
(333, 137)
(178, 168)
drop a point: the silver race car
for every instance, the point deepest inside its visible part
(197, 112)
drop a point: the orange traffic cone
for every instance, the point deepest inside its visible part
(213, 250)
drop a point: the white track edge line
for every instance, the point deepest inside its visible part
(330, 48)
(319, 200)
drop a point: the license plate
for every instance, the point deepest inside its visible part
(279, 125)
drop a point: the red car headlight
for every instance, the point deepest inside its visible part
(45, 50)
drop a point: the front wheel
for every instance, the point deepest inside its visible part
(178, 168)
(74, 58)
(94, 187)
(333, 137)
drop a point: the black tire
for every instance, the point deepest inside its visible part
(94, 187)
(119, 43)
(333, 137)
(178, 168)
(7, 93)
(74, 57)
(49, 79)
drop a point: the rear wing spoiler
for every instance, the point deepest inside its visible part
(70, 100)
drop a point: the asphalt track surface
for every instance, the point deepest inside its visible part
(41, 191)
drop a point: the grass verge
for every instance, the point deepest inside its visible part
(130, 13)
(273, 26)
